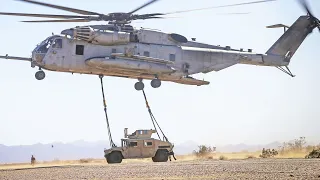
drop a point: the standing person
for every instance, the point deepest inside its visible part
(33, 159)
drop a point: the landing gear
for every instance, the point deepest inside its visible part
(139, 86)
(155, 83)
(40, 75)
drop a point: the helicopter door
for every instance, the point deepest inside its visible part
(56, 52)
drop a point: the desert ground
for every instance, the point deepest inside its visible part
(183, 168)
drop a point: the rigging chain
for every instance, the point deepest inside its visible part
(105, 111)
(153, 119)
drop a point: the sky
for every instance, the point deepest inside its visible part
(242, 104)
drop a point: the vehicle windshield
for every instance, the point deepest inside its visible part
(124, 143)
(45, 45)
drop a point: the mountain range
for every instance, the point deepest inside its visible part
(82, 149)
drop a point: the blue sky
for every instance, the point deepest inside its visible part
(243, 104)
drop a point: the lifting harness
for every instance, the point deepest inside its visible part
(153, 119)
(105, 111)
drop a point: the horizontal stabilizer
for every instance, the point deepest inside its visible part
(278, 26)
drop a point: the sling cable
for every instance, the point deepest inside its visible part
(106, 114)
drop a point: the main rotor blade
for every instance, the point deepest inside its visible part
(240, 4)
(68, 20)
(144, 5)
(233, 13)
(78, 11)
(43, 15)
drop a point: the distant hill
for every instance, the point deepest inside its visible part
(82, 149)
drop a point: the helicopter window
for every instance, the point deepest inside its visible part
(172, 57)
(146, 53)
(79, 49)
(57, 43)
(114, 51)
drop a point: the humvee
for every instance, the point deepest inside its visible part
(140, 144)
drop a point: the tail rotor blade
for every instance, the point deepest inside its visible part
(305, 6)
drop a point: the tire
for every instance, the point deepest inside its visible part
(161, 156)
(156, 83)
(139, 86)
(114, 157)
(40, 75)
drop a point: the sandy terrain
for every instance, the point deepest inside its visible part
(195, 169)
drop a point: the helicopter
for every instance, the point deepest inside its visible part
(120, 50)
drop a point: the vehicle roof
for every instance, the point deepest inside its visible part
(135, 139)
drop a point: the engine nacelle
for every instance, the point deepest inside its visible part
(105, 37)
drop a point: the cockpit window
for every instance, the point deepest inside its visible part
(45, 45)
(57, 43)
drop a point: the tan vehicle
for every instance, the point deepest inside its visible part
(140, 145)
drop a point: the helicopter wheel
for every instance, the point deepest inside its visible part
(155, 83)
(40, 75)
(139, 86)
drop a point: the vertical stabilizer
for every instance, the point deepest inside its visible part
(291, 40)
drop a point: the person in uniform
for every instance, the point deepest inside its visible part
(33, 159)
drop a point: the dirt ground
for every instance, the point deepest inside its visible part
(195, 169)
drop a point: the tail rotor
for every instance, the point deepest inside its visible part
(306, 7)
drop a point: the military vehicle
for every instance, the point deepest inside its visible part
(121, 50)
(140, 144)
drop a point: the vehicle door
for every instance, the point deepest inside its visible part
(148, 148)
(57, 55)
(134, 150)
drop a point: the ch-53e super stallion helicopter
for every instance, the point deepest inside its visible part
(118, 49)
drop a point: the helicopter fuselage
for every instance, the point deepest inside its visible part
(140, 54)
(120, 50)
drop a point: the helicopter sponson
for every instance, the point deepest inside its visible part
(130, 64)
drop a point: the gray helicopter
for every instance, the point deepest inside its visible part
(121, 50)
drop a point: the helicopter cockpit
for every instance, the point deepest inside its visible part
(41, 50)
(44, 46)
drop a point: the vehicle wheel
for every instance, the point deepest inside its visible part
(139, 86)
(114, 157)
(155, 83)
(161, 156)
(40, 75)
